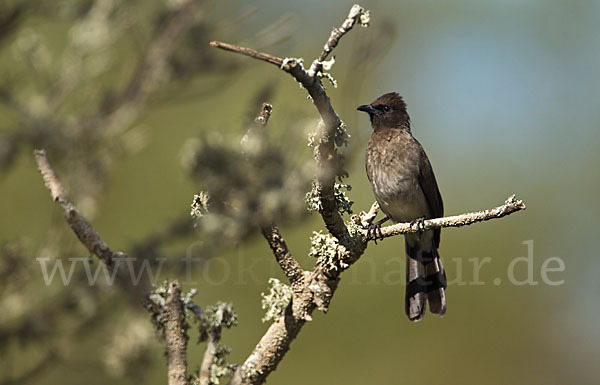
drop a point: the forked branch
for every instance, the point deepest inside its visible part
(318, 286)
(291, 268)
(325, 153)
(172, 310)
(311, 290)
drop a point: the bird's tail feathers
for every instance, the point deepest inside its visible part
(425, 282)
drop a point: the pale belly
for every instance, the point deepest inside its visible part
(403, 201)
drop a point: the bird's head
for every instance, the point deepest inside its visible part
(387, 111)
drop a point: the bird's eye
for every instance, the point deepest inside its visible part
(386, 108)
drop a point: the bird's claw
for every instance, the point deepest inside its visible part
(374, 232)
(418, 223)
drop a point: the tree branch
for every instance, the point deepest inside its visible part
(263, 116)
(270, 231)
(172, 308)
(511, 205)
(175, 336)
(349, 243)
(317, 291)
(291, 268)
(325, 153)
(313, 290)
(80, 226)
(357, 14)
(248, 52)
(214, 337)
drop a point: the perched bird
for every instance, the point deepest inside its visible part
(406, 190)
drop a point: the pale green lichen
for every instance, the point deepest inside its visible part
(343, 203)
(311, 139)
(341, 137)
(313, 198)
(365, 18)
(216, 316)
(250, 370)
(199, 205)
(155, 303)
(356, 230)
(360, 15)
(211, 321)
(329, 77)
(219, 367)
(329, 252)
(277, 300)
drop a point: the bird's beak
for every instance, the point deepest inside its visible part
(366, 108)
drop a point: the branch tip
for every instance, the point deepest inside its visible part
(511, 205)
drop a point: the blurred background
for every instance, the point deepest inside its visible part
(138, 114)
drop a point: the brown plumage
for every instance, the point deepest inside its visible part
(405, 187)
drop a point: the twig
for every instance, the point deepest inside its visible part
(511, 205)
(263, 116)
(325, 153)
(356, 14)
(209, 354)
(173, 309)
(327, 158)
(248, 52)
(270, 231)
(175, 336)
(365, 219)
(80, 226)
(291, 268)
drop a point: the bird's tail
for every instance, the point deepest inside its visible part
(425, 279)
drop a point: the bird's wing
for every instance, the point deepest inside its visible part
(431, 191)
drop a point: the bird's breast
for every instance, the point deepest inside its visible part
(395, 182)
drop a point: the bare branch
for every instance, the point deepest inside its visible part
(248, 52)
(80, 226)
(511, 205)
(175, 336)
(365, 219)
(270, 231)
(357, 14)
(291, 268)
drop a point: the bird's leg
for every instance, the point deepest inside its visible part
(419, 223)
(374, 230)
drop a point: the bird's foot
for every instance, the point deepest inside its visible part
(418, 224)
(374, 230)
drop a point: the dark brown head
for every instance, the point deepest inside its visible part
(387, 111)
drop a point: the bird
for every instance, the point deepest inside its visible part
(404, 185)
